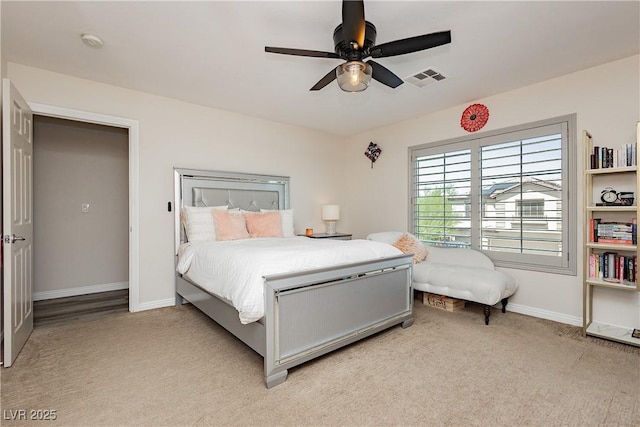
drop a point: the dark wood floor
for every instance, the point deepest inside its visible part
(81, 307)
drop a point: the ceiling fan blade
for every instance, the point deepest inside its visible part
(353, 25)
(384, 76)
(412, 44)
(331, 76)
(301, 52)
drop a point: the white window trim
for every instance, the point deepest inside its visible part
(568, 264)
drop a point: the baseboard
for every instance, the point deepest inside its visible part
(83, 290)
(169, 302)
(543, 314)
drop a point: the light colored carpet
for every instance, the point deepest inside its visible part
(174, 366)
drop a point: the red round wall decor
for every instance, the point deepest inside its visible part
(474, 117)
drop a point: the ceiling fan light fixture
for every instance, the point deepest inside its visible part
(354, 76)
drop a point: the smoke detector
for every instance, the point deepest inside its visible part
(92, 41)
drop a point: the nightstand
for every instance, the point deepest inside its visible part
(337, 236)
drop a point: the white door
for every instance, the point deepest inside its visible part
(17, 211)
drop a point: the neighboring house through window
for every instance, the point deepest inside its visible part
(509, 193)
(530, 208)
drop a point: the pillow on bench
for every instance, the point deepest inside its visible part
(406, 242)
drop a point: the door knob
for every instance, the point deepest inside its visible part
(13, 238)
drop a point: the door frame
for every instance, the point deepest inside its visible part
(134, 205)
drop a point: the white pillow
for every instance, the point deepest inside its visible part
(198, 223)
(389, 237)
(286, 218)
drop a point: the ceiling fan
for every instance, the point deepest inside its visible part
(354, 41)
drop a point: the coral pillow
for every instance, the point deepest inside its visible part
(265, 224)
(229, 226)
(409, 244)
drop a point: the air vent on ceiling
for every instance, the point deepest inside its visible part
(425, 78)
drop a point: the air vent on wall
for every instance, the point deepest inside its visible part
(425, 78)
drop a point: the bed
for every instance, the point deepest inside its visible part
(307, 309)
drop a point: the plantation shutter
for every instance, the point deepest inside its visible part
(522, 195)
(442, 198)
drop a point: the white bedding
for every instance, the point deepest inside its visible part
(234, 269)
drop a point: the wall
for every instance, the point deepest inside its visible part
(76, 163)
(607, 102)
(178, 134)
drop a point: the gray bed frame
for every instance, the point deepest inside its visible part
(308, 313)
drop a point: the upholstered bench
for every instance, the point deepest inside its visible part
(457, 273)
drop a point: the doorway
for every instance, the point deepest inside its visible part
(132, 129)
(80, 209)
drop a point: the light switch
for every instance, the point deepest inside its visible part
(85, 207)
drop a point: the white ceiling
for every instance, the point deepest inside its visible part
(212, 52)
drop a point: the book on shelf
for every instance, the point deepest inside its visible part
(613, 267)
(612, 227)
(605, 157)
(608, 262)
(613, 241)
(621, 233)
(593, 227)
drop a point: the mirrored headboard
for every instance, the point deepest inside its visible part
(249, 192)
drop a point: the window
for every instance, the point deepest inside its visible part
(505, 193)
(530, 208)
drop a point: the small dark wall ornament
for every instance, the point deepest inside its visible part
(373, 152)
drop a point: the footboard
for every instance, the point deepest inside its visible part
(311, 313)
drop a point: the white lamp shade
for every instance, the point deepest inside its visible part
(331, 212)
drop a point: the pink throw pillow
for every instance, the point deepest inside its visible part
(409, 244)
(229, 226)
(265, 224)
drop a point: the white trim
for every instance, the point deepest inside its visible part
(543, 314)
(82, 290)
(161, 303)
(134, 206)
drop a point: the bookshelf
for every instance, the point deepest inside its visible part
(611, 252)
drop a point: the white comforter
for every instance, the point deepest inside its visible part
(234, 269)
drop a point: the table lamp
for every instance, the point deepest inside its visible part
(330, 214)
